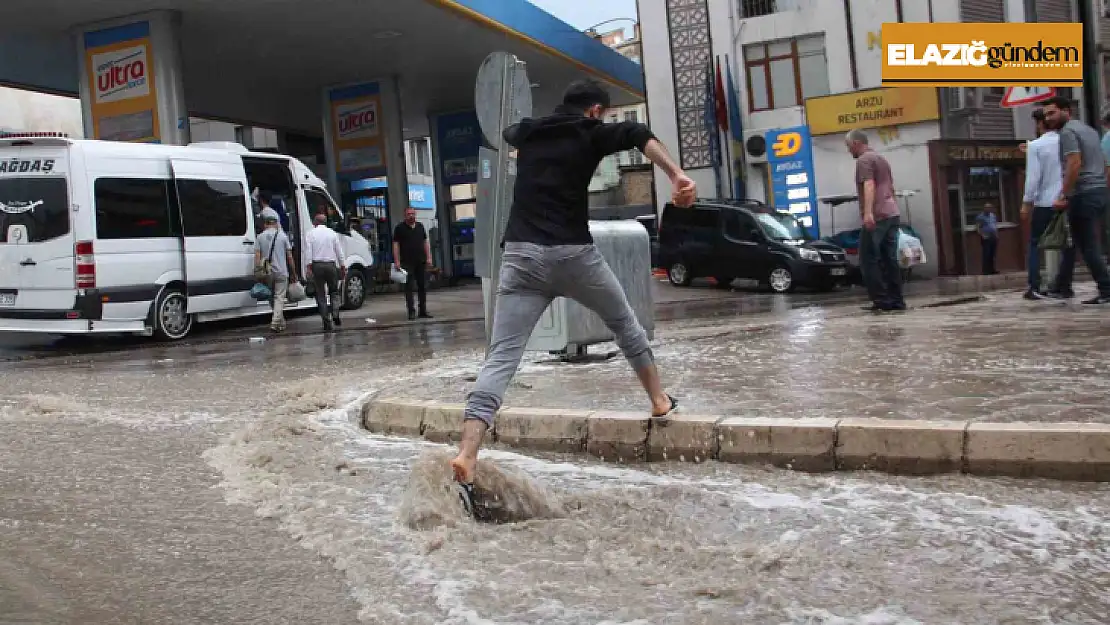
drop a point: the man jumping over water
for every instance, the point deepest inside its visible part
(549, 253)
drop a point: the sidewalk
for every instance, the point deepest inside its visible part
(999, 386)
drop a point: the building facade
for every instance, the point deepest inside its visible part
(816, 65)
(608, 173)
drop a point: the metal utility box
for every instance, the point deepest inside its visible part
(567, 326)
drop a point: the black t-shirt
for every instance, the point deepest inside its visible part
(556, 159)
(411, 241)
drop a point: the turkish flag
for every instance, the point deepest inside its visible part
(719, 99)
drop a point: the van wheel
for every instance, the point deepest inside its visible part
(172, 321)
(354, 289)
(679, 275)
(781, 280)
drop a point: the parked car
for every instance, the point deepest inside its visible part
(727, 240)
(648, 222)
(911, 252)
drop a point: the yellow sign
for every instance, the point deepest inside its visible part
(357, 136)
(122, 96)
(983, 55)
(873, 108)
(788, 145)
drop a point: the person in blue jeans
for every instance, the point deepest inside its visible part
(1043, 180)
(878, 239)
(987, 225)
(1083, 197)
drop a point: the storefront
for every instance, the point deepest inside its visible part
(966, 175)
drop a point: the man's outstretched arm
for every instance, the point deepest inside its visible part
(685, 191)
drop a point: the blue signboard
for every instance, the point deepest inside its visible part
(794, 190)
(421, 196)
(459, 137)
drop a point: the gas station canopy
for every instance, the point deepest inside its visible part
(266, 62)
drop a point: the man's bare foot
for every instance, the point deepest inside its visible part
(466, 462)
(464, 468)
(663, 405)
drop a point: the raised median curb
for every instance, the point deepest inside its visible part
(1065, 451)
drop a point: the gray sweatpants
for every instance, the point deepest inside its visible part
(531, 277)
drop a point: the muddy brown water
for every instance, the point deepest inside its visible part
(214, 486)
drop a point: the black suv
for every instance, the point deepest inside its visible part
(726, 240)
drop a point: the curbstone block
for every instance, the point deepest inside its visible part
(900, 446)
(686, 438)
(403, 417)
(617, 436)
(443, 422)
(801, 444)
(1066, 451)
(542, 429)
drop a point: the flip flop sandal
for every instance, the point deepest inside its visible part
(665, 418)
(466, 495)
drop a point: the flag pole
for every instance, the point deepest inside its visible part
(727, 151)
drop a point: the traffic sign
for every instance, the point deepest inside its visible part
(1020, 96)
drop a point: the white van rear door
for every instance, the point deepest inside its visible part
(36, 229)
(218, 232)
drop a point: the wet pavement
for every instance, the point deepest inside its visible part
(453, 305)
(220, 483)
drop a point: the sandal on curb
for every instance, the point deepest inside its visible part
(663, 418)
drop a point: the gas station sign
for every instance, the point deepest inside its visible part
(794, 190)
(357, 139)
(123, 97)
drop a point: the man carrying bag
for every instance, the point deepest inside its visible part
(276, 272)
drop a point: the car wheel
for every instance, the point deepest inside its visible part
(781, 280)
(724, 282)
(172, 321)
(354, 289)
(679, 275)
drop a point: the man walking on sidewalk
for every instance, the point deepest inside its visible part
(1043, 181)
(273, 246)
(413, 253)
(1083, 197)
(878, 240)
(326, 268)
(548, 251)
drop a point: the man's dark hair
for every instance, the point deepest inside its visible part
(1038, 115)
(582, 94)
(1060, 102)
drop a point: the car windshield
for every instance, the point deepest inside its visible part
(33, 210)
(781, 227)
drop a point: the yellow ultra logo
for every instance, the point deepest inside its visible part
(987, 55)
(788, 145)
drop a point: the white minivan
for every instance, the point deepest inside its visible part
(110, 237)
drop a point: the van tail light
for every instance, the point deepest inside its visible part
(86, 265)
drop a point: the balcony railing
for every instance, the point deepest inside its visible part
(755, 8)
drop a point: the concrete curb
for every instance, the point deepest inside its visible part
(1063, 451)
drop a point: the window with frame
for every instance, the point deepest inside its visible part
(320, 203)
(784, 73)
(738, 226)
(213, 208)
(133, 208)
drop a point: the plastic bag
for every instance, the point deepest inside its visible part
(1057, 236)
(261, 292)
(400, 276)
(296, 292)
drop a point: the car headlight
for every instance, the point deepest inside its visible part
(808, 254)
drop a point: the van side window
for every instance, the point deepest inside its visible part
(213, 208)
(320, 203)
(133, 208)
(738, 226)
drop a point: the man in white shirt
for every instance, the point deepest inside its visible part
(1043, 180)
(326, 268)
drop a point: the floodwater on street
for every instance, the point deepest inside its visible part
(232, 484)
